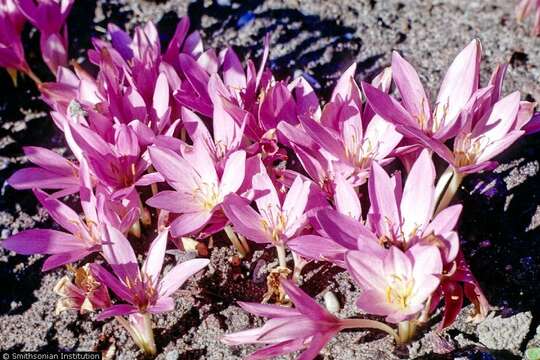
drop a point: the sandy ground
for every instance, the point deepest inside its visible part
(318, 38)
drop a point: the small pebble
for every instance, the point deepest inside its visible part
(331, 302)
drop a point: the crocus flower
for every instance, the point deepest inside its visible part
(398, 284)
(52, 172)
(524, 9)
(11, 10)
(82, 238)
(11, 48)
(401, 217)
(349, 134)
(459, 84)
(49, 16)
(198, 190)
(406, 217)
(144, 290)
(83, 294)
(307, 327)
(277, 220)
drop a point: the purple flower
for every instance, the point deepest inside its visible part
(49, 16)
(82, 238)
(198, 189)
(307, 327)
(349, 135)
(143, 289)
(52, 172)
(276, 220)
(396, 285)
(11, 48)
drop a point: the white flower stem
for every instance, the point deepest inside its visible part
(235, 241)
(406, 331)
(369, 324)
(282, 257)
(451, 190)
(142, 334)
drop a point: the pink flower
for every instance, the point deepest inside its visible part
(277, 220)
(406, 217)
(83, 236)
(398, 284)
(459, 84)
(49, 16)
(144, 290)
(307, 327)
(84, 294)
(524, 9)
(11, 48)
(198, 189)
(482, 124)
(349, 135)
(52, 172)
(84, 233)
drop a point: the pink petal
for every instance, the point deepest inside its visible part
(179, 274)
(169, 164)
(296, 199)
(317, 343)
(317, 248)
(460, 82)
(499, 146)
(266, 196)
(501, 119)
(281, 348)
(233, 174)
(173, 201)
(189, 223)
(397, 263)
(57, 260)
(418, 200)
(61, 213)
(163, 304)
(161, 96)
(233, 73)
(111, 281)
(116, 248)
(383, 200)
(445, 221)
(387, 107)
(374, 302)
(366, 270)
(344, 230)
(245, 220)
(305, 303)
(156, 254)
(268, 311)
(412, 92)
(41, 241)
(346, 199)
(31, 178)
(117, 310)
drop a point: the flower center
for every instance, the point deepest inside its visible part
(467, 149)
(399, 291)
(207, 195)
(274, 222)
(360, 152)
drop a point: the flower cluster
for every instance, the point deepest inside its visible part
(184, 141)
